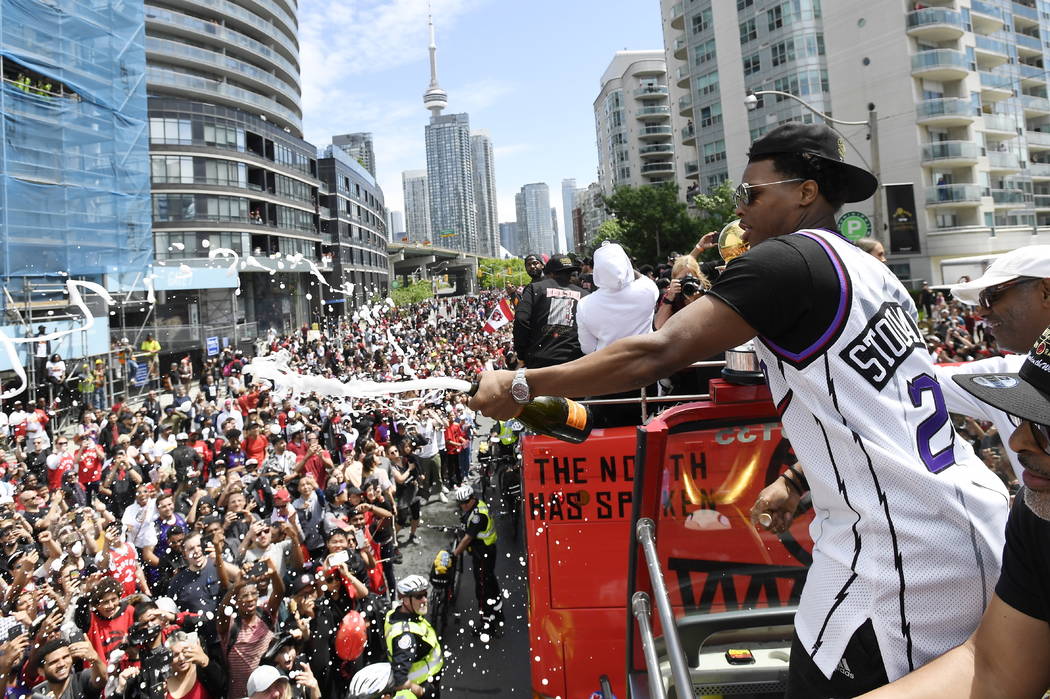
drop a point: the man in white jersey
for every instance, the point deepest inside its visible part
(909, 523)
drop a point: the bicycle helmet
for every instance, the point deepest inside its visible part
(412, 584)
(463, 493)
(372, 681)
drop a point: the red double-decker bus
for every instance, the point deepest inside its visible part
(642, 523)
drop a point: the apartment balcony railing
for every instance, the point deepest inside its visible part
(955, 194)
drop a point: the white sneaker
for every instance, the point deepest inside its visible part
(444, 490)
(443, 498)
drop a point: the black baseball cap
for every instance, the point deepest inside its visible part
(1025, 394)
(821, 141)
(560, 263)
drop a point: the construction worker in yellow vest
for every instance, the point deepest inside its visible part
(480, 540)
(412, 643)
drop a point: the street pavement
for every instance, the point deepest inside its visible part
(499, 667)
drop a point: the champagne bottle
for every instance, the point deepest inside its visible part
(560, 418)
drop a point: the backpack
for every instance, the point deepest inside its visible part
(227, 370)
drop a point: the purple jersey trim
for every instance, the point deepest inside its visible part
(840, 315)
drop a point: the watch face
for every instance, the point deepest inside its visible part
(519, 391)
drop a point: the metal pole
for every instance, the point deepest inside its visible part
(645, 531)
(642, 613)
(876, 211)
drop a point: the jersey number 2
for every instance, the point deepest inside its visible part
(929, 427)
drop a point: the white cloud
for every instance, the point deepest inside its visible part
(511, 149)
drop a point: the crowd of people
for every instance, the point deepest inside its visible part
(213, 537)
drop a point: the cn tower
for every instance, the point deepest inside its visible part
(435, 99)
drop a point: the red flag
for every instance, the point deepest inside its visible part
(501, 315)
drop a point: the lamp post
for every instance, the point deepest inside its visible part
(751, 102)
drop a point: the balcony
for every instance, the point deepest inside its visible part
(940, 64)
(650, 92)
(655, 113)
(655, 133)
(1039, 171)
(692, 171)
(986, 18)
(1028, 44)
(680, 46)
(650, 169)
(990, 52)
(656, 150)
(685, 106)
(954, 195)
(1007, 198)
(1024, 12)
(1035, 105)
(678, 16)
(950, 153)
(689, 135)
(996, 86)
(946, 111)
(936, 24)
(999, 124)
(682, 76)
(1042, 201)
(1037, 140)
(1003, 161)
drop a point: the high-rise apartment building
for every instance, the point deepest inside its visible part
(74, 175)
(359, 147)
(959, 88)
(508, 238)
(568, 203)
(589, 213)
(395, 225)
(535, 223)
(632, 116)
(417, 207)
(485, 193)
(230, 167)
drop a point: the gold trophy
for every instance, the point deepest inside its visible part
(731, 243)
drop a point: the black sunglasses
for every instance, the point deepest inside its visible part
(742, 193)
(989, 296)
(418, 595)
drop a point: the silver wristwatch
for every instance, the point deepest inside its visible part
(519, 388)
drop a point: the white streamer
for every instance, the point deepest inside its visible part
(75, 299)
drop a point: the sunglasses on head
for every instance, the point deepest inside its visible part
(742, 193)
(989, 296)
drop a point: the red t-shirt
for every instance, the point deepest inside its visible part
(54, 475)
(298, 448)
(197, 691)
(89, 465)
(255, 449)
(124, 567)
(106, 634)
(316, 468)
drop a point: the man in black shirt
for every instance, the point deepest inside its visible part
(1009, 654)
(196, 587)
(60, 681)
(545, 320)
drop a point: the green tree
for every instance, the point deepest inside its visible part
(653, 222)
(412, 293)
(611, 230)
(494, 273)
(715, 209)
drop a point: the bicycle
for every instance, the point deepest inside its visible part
(446, 573)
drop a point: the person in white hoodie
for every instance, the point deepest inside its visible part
(622, 306)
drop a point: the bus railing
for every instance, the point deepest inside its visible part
(645, 532)
(642, 609)
(643, 399)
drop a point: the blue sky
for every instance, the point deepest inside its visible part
(526, 71)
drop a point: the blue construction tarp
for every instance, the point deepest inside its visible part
(74, 165)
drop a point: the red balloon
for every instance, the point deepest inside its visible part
(351, 637)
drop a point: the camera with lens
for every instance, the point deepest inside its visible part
(662, 283)
(690, 285)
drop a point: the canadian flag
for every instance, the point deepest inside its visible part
(501, 315)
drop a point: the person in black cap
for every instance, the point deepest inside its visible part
(904, 506)
(545, 320)
(1009, 654)
(534, 267)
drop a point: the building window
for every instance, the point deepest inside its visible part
(775, 18)
(714, 152)
(709, 116)
(707, 84)
(748, 32)
(752, 64)
(782, 52)
(741, 5)
(716, 179)
(702, 21)
(705, 52)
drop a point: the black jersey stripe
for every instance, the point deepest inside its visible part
(978, 557)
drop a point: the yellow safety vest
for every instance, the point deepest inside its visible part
(506, 434)
(423, 670)
(488, 537)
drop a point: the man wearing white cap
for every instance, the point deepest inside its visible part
(267, 682)
(1013, 297)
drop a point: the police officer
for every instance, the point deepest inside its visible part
(480, 539)
(412, 643)
(508, 437)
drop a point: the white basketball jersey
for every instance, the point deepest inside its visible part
(909, 524)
